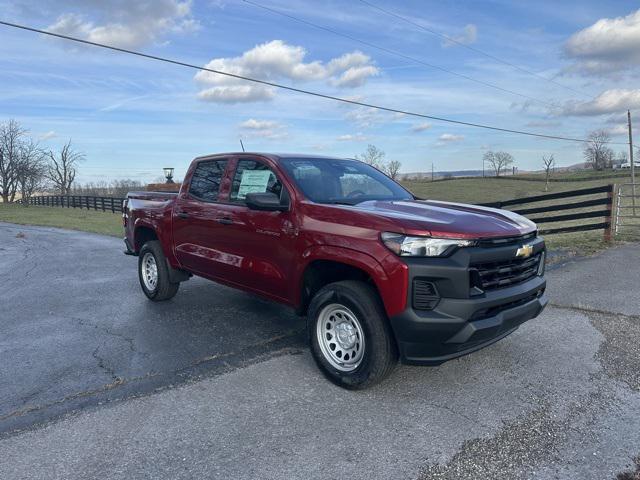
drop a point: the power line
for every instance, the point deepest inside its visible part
(294, 89)
(473, 49)
(400, 54)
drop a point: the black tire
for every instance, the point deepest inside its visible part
(164, 289)
(380, 354)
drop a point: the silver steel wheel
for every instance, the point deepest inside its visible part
(340, 337)
(149, 271)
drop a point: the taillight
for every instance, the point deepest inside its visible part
(125, 213)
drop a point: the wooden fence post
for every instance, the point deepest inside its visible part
(607, 230)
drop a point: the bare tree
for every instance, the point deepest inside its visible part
(393, 168)
(115, 188)
(31, 170)
(499, 161)
(62, 168)
(373, 156)
(548, 161)
(11, 134)
(597, 154)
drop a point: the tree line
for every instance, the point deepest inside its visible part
(27, 168)
(377, 158)
(114, 188)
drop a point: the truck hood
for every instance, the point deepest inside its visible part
(448, 219)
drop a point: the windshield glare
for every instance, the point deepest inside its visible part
(325, 180)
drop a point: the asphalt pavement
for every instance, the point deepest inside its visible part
(98, 382)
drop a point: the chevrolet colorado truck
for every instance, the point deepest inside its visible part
(379, 274)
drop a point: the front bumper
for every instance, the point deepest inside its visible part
(462, 323)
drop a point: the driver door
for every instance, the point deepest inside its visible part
(260, 242)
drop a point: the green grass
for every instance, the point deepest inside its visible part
(485, 190)
(466, 190)
(71, 218)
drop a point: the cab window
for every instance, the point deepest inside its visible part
(205, 182)
(253, 176)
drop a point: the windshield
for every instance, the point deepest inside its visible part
(326, 180)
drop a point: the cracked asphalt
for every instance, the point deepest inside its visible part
(97, 382)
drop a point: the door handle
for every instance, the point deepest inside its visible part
(225, 221)
(183, 215)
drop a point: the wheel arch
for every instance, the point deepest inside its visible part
(331, 264)
(142, 234)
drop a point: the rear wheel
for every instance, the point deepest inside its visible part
(153, 273)
(349, 333)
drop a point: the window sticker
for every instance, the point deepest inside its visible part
(253, 181)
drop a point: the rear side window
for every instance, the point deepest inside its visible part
(253, 176)
(205, 182)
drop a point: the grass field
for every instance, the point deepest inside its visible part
(72, 218)
(485, 190)
(466, 190)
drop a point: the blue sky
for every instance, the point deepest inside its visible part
(132, 116)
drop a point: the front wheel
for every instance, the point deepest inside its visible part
(349, 333)
(153, 273)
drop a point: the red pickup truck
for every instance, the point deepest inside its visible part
(379, 273)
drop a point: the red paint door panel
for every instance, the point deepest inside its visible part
(196, 219)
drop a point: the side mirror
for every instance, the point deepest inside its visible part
(269, 202)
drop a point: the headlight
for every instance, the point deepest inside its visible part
(406, 246)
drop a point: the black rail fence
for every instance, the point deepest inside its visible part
(89, 202)
(588, 209)
(600, 208)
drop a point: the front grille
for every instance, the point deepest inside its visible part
(501, 242)
(425, 295)
(504, 273)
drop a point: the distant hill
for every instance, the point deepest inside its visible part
(489, 173)
(441, 174)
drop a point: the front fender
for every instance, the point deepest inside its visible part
(392, 289)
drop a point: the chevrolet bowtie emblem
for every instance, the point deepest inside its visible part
(524, 251)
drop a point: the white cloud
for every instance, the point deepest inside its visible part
(47, 136)
(276, 60)
(610, 101)
(468, 36)
(357, 137)
(618, 130)
(127, 24)
(355, 76)
(253, 124)
(237, 94)
(450, 138)
(263, 129)
(364, 117)
(421, 127)
(610, 45)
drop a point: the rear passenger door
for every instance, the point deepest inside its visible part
(196, 217)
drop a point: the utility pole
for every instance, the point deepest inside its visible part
(432, 171)
(633, 170)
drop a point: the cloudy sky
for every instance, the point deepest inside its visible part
(557, 68)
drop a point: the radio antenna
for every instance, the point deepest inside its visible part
(242, 145)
